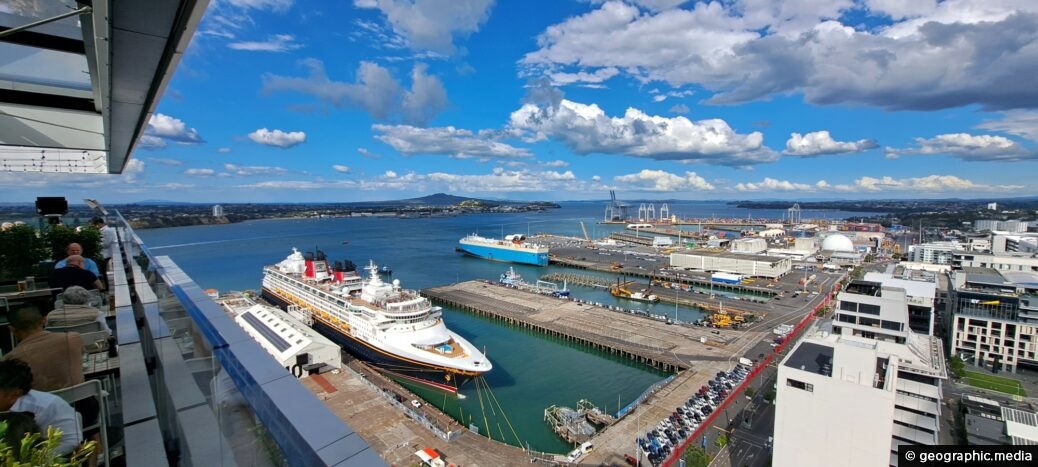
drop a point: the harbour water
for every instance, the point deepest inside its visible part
(531, 371)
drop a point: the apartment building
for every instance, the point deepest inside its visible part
(920, 295)
(994, 318)
(895, 389)
(934, 252)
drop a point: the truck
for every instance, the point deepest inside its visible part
(746, 362)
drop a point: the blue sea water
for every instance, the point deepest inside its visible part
(531, 371)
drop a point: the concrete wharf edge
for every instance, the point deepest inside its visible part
(490, 302)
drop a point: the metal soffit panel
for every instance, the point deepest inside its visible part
(76, 93)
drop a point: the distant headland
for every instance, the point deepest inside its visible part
(157, 214)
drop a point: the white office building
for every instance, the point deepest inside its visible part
(849, 401)
(920, 295)
(1006, 262)
(872, 310)
(217, 210)
(987, 224)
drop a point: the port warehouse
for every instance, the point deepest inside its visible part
(735, 263)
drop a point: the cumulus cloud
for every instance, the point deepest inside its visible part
(432, 24)
(375, 91)
(162, 128)
(586, 129)
(771, 184)
(272, 5)
(277, 138)
(246, 170)
(659, 180)
(340, 168)
(969, 148)
(275, 43)
(199, 172)
(820, 142)
(450, 141)
(931, 183)
(913, 55)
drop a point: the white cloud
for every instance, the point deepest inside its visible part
(432, 24)
(161, 161)
(1022, 123)
(659, 180)
(939, 183)
(680, 109)
(771, 184)
(223, 150)
(820, 142)
(275, 43)
(410, 140)
(199, 172)
(969, 148)
(277, 138)
(341, 168)
(904, 55)
(598, 76)
(556, 163)
(246, 170)
(375, 91)
(162, 128)
(586, 129)
(272, 5)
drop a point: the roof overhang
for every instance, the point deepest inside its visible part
(76, 93)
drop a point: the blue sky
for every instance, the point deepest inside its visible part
(286, 101)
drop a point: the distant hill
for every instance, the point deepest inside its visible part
(444, 200)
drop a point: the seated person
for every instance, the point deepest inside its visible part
(56, 358)
(76, 310)
(16, 394)
(74, 249)
(74, 274)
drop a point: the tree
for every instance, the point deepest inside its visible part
(696, 456)
(722, 440)
(957, 365)
(21, 249)
(750, 392)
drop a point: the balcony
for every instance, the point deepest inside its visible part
(193, 388)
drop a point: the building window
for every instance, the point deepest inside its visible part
(868, 309)
(845, 318)
(848, 306)
(892, 325)
(869, 322)
(800, 385)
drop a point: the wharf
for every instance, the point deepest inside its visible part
(666, 347)
(396, 430)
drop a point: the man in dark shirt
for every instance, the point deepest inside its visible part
(74, 274)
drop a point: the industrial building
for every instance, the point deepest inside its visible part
(736, 263)
(850, 401)
(749, 246)
(988, 423)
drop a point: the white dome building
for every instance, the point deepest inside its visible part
(837, 243)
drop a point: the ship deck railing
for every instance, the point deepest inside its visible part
(192, 388)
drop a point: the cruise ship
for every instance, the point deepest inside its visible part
(395, 329)
(512, 249)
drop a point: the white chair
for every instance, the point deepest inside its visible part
(91, 389)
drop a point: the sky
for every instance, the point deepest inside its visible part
(338, 101)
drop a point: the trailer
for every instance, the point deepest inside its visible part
(726, 278)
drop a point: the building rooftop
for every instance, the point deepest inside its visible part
(1021, 426)
(815, 358)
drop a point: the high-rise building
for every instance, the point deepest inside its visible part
(217, 210)
(987, 224)
(851, 401)
(920, 294)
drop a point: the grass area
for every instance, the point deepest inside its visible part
(994, 383)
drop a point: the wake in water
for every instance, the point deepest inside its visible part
(265, 237)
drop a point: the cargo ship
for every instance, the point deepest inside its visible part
(395, 329)
(511, 249)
